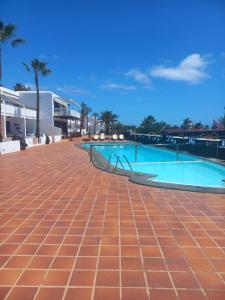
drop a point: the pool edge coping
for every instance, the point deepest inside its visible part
(145, 179)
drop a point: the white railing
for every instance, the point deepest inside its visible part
(13, 110)
(60, 111)
(66, 112)
(30, 113)
(18, 111)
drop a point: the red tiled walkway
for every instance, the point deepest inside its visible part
(70, 231)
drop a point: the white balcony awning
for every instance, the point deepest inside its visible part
(11, 100)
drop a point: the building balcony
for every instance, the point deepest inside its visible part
(11, 110)
(65, 112)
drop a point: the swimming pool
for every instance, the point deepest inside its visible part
(168, 166)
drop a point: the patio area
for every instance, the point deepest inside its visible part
(70, 231)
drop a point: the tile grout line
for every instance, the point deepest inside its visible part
(79, 247)
(139, 244)
(53, 226)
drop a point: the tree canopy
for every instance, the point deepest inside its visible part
(108, 119)
(150, 125)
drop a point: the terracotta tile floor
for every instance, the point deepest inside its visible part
(71, 231)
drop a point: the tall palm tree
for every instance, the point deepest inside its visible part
(7, 34)
(108, 118)
(83, 114)
(88, 110)
(95, 116)
(39, 68)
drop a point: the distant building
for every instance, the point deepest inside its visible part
(194, 132)
(217, 125)
(58, 116)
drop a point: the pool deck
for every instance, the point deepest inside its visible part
(73, 232)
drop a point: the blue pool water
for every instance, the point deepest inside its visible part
(183, 169)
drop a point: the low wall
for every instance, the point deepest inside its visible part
(42, 140)
(9, 147)
(29, 142)
(57, 138)
(51, 139)
(14, 146)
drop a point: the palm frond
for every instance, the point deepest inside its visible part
(26, 67)
(8, 32)
(18, 41)
(46, 72)
(1, 25)
(42, 65)
(35, 64)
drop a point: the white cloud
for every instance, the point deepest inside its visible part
(192, 69)
(48, 57)
(73, 90)
(138, 76)
(117, 86)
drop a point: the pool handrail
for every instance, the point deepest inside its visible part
(118, 160)
(128, 162)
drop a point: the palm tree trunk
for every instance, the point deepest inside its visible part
(1, 135)
(81, 124)
(95, 123)
(107, 128)
(37, 134)
(87, 123)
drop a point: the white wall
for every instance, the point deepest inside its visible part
(46, 110)
(57, 138)
(29, 142)
(8, 147)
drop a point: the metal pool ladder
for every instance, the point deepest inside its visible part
(118, 160)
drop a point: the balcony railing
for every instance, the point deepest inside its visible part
(18, 111)
(60, 112)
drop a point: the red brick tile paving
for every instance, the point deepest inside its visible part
(70, 231)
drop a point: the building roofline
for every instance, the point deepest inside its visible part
(4, 90)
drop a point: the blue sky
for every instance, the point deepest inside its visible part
(134, 57)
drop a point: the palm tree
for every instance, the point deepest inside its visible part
(95, 116)
(7, 34)
(39, 68)
(108, 118)
(88, 110)
(83, 114)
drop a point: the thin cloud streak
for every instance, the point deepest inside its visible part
(73, 90)
(117, 86)
(139, 76)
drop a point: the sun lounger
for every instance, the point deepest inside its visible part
(102, 136)
(114, 137)
(95, 138)
(121, 137)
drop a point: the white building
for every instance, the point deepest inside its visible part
(58, 116)
(17, 118)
